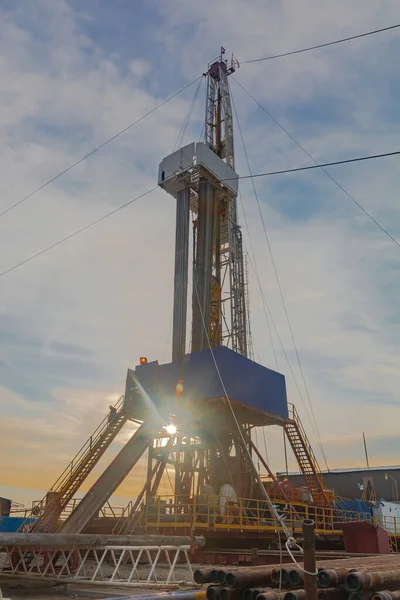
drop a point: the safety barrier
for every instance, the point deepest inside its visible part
(216, 512)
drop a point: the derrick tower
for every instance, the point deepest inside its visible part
(194, 414)
(202, 177)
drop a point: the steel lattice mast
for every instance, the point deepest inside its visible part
(202, 178)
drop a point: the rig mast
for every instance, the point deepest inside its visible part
(208, 444)
(202, 178)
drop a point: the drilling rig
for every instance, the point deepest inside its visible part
(194, 414)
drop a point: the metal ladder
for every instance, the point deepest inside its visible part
(306, 458)
(51, 506)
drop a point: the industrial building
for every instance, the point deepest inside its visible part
(381, 482)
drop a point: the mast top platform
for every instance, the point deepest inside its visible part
(182, 169)
(214, 66)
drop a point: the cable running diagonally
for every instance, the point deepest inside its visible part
(347, 39)
(317, 166)
(265, 303)
(316, 429)
(273, 510)
(111, 139)
(322, 166)
(77, 232)
(255, 269)
(241, 177)
(187, 118)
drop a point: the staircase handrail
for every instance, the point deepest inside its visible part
(294, 417)
(79, 459)
(85, 449)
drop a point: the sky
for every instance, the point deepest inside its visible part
(72, 74)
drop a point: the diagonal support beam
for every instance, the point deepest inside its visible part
(108, 482)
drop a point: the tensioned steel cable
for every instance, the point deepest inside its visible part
(323, 165)
(77, 232)
(273, 510)
(255, 269)
(279, 339)
(324, 45)
(315, 428)
(111, 139)
(316, 166)
(226, 179)
(187, 118)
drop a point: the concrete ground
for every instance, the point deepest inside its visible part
(17, 592)
(32, 590)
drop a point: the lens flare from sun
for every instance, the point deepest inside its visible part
(170, 429)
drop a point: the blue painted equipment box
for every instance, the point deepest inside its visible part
(12, 524)
(258, 394)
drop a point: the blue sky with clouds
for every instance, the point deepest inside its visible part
(71, 75)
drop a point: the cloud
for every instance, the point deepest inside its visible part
(139, 67)
(74, 319)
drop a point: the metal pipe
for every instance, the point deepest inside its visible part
(280, 576)
(295, 577)
(353, 562)
(272, 595)
(230, 594)
(201, 576)
(364, 580)
(88, 540)
(203, 268)
(214, 576)
(257, 592)
(330, 578)
(387, 595)
(213, 592)
(249, 577)
(253, 593)
(332, 594)
(374, 568)
(221, 576)
(289, 576)
(334, 577)
(295, 595)
(181, 595)
(310, 565)
(181, 275)
(381, 562)
(364, 595)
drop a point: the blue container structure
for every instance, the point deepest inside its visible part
(258, 394)
(355, 509)
(12, 524)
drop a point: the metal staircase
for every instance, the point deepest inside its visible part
(306, 459)
(49, 509)
(380, 521)
(109, 480)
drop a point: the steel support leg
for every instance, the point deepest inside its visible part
(181, 275)
(108, 482)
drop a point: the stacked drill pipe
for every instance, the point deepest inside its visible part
(360, 578)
